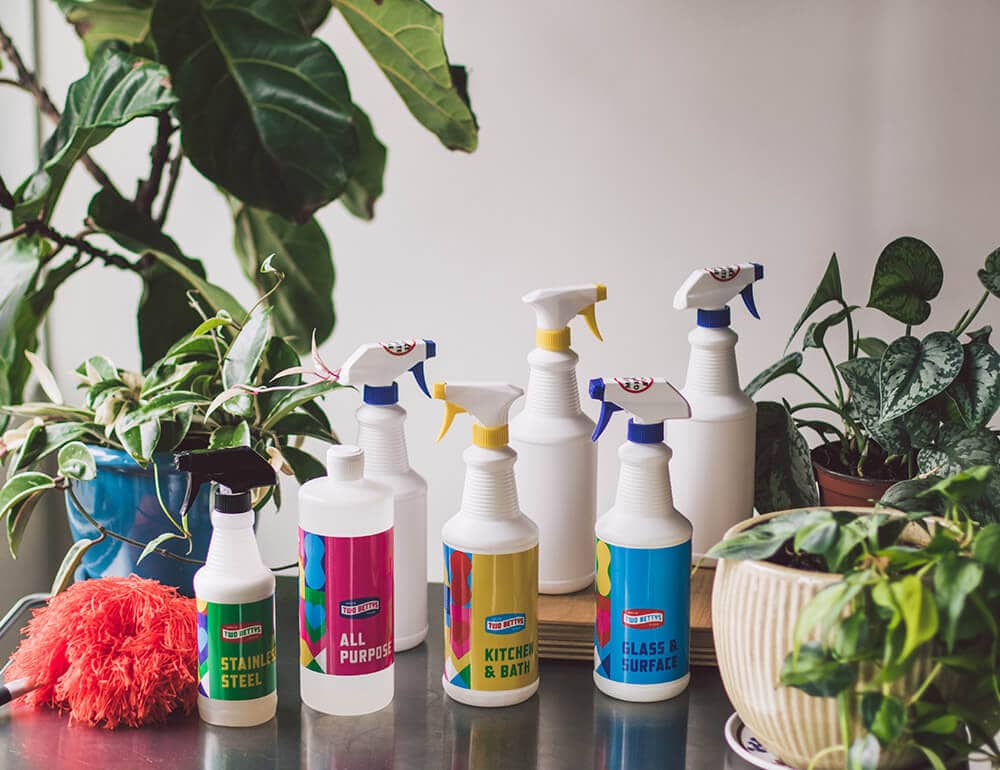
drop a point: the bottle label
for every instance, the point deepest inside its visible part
(345, 603)
(491, 619)
(642, 625)
(236, 655)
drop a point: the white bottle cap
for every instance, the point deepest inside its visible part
(345, 462)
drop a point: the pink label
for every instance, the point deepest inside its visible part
(345, 603)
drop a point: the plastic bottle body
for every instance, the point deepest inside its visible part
(713, 465)
(234, 593)
(557, 471)
(381, 436)
(491, 588)
(345, 583)
(642, 625)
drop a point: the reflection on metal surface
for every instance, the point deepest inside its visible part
(630, 735)
(492, 738)
(236, 748)
(347, 743)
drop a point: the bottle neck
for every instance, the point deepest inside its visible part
(382, 436)
(712, 368)
(489, 490)
(552, 387)
(233, 542)
(644, 481)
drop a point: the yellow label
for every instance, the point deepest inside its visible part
(491, 619)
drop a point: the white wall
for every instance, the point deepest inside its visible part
(625, 143)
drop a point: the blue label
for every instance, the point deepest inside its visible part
(643, 619)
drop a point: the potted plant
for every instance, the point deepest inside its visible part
(861, 640)
(895, 410)
(250, 97)
(229, 382)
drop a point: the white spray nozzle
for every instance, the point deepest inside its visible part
(378, 365)
(711, 288)
(488, 402)
(555, 308)
(648, 400)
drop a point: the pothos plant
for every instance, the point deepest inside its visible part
(909, 407)
(905, 609)
(229, 382)
(249, 96)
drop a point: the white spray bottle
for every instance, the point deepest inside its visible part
(381, 435)
(713, 463)
(234, 592)
(643, 621)
(490, 560)
(557, 461)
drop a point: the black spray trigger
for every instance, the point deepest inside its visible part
(236, 470)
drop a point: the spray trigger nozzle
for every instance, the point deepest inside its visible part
(649, 401)
(450, 410)
(236, 470)
(589, 314)
(418, 374)
(747, 294)
(377, 365)
(607, 409)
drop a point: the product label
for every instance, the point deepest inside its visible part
(642, 625)
(345, 603)
(491, 619)
(724, 273)
(236, 655)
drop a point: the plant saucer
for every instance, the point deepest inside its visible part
(748, 748)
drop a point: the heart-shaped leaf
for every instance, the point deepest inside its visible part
(304, 303)
(957, 449)
(911, 495)
(365, 187)
(816, 332)
(140, 439)
(861, 376)
(908, 275)
(118, 88)
(872, 346)
(406, 39)
(990, 275)
(814, 671)
(954, 579)
(265, 109)
(77, 462)
(883, 715)
(829, 290)
(783, 469)
(912, 371)
(786, 365)
(976, 389)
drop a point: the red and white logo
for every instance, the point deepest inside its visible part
(635, 384)
(642, 618)
(399, 347)
(242, 632)
(725, 273)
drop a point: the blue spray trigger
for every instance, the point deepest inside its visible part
(418, 374)
(747, 294)
(607, 409)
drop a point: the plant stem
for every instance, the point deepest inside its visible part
(852, 350)
(172, 174)
(815, 387)
(26, 78)
(148, 188)
(926, 683)
(836, 377)
(843, 700)
(814, 405)
(37, 226)
(6, 199)
(820, 754)
(966, 319)
(909, 328)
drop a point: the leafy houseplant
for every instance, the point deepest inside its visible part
(902, 641)
(262, 109)
(906, 408)
(226, 383)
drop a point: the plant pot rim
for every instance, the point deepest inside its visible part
(112, 457)
(812, 576)
(861, 480)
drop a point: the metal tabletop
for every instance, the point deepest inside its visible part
(569, 724)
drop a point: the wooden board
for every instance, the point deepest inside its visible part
(566, 623)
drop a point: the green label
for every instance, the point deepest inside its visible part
(236, 654)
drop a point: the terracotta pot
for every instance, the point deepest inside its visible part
(755, 605)
(840, 489)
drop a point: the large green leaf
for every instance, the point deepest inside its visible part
(312, 13)
(164, 314)
(861, 376)
(244, 354)
(976, 389)
(296, 399)
(365, 186)
(304, 303)
(19, 261)
(954, 579)
(118, 88)
(265, 109)
(304, 465)
(816, 332)
(814, 671)
(406, 39)
(911, 495)
(908, 275)
(829, 290)
(20, 488)
(990, 275)
(912, 371)
(98, 21)
(957, 449)
(783, 474)
(786, 365)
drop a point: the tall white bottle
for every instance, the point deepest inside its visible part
(557, 461)
(490, 561)
(713, 466)
(234, 592)
(643, 620)
(376, 367)
(345, 588)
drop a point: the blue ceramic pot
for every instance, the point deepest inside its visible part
(123, 499)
